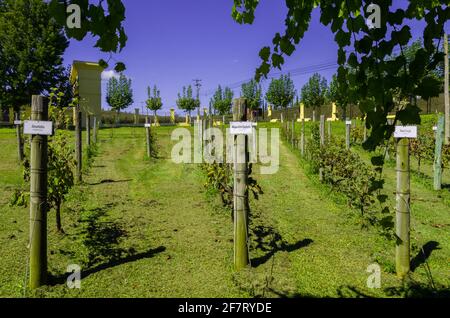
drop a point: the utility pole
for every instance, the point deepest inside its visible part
(198, 85)
(446, 92)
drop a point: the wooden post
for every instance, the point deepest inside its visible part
(240, 199)
(20, 154)
(329, 130)
(446, 92)
(438, 153)
(365, 131)
(95, 130)
(347, 133)
(88, 130)
(302, 138)
(147, 134)
(322, 130)
(38, 197)
(314, 115)
(78, 144)
(293, 133)
(402, 227)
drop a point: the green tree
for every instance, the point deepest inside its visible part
(119, 94)
(253, 93)
(31, 48)
(222, 100)
(314, 92)
(281, 92)
(365, 49)
(154, 101)
(339, 93)
(186, 101)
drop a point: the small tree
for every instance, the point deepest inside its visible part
(281, 92)
(187, 102)
(119, 94)
(314, 93)
(339, 93)
(222, 100)
(154, 101)
(252, 92)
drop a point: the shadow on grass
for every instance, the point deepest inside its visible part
(109, 181)
(101, 245)
(424, 254)
(268, 240)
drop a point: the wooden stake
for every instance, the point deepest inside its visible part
(241, 257)
(20, 154)
(347, 134)
(438, 153)
(38, 197)
(302, 138)
(147, 134)
(78, 144)
(88, 130)
(446, 92)
(95, 129)
(402, 228)
(322, 130)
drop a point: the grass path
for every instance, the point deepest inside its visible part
(143, 227)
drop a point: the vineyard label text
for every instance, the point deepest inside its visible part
(35, 127)
(241, 128)
(405, 132)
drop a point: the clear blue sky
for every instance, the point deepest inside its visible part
(172, 42)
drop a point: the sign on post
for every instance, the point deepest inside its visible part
(36, 127)
(148, 125)
(241, 128)
(405, 132)
(17, 122)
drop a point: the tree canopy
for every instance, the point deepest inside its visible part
(281, 91)
(314, 92)
(252, 92)
(365, 48)
(31, 48)
(186, 101)
(222, 100)
(154, 101)
(119, 94)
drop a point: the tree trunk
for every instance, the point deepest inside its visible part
(58, 218)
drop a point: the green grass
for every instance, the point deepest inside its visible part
(146, 227)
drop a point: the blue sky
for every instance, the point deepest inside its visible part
(172, 42)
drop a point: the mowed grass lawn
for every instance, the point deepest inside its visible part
(142, 227)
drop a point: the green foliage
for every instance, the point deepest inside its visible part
(340, 92)
(186, 101)
(154, 101)
(102, 21)
(222, 100)
(381, 81)
(31, 48)
(253, 93)
(119, 94)
(347, 173)
(281, 91)
(314, 92)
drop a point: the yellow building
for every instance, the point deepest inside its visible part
(86, 76)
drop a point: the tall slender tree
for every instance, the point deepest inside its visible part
(314, 92)
(154, 101)
(119, 94)
(281, 92)
(186, 101)
(252, 92)
(222, 100)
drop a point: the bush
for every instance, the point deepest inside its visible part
(346, 172)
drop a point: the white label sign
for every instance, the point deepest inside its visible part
(35, 127)
(148, 125)
(348, 122)
(241, 128)
(405, 132)
(17, 122)
(434, 128)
